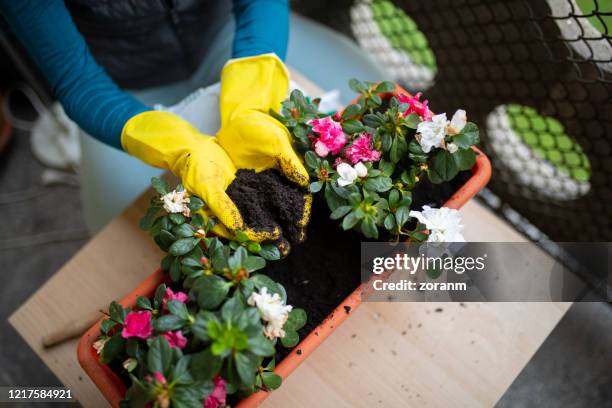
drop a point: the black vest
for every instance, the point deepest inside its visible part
(144, 43)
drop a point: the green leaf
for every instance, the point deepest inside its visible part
(372, 120)
(350, 221)
(389, 222)
(271, 380)
(116, 311)
(369, 228)
(246, 366)
(107, 325)
(254, 263)
(177, 218)
(160, 185)
(385, 86)
(270, 252)
(261, 346)
(412, 120)
(316, 186)
(168, 322)
(159, 357)
(147, 221)
(352, 126)
(182, 246)
(379, 184)
(175, 270)
(178, 308)
(143, 303)
(469, 136)
(165, 239)
(159, 295)
(351, 110)
(311, 160)
(340, 212)
(195, 203)
(393, 197)
(112, 348)
(399, 147)
(182, 231)
(464, 159)
(241, 237)
(190, 395)
(357, 86)
(332, 198)
(200, 325)
(296, 320)
(212, 290)
(401, 215)
(254, 247)
(131, 347)
(443, 166)
(205, 365)
(291, 339)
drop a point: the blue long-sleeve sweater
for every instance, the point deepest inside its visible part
(89, 96)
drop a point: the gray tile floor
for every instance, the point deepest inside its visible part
(571, 369)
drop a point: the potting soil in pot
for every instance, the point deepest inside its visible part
(319, 273)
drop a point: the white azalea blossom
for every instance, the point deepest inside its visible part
(176, 202)
(272, 310)
(444, 224)
(457, 122)
(348, 174)
(451, 147)
(99, 344)
(432, 133)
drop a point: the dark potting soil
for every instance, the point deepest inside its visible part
(267, 200)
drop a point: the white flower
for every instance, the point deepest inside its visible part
(176, 202)
(99, 344)
(348, 174)
(444, 224)
(431, 133)
(451, 147)
(361, 169)
(272, 310)
(457, 122)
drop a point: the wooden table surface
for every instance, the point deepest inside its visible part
(385, 355)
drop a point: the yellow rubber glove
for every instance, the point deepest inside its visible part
(167, 141)
(250, 87)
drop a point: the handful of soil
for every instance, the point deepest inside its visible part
(267, 200)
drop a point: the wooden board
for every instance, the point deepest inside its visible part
(388, 355)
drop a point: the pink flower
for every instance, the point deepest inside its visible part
(217, 397)
(416, 106)
(137, 324)
(175, 339)
(159, 377)
(170, 295)
(331, 137)
(360, 150)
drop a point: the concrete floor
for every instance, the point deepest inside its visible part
(571, 369)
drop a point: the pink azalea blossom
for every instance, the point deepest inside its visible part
(331, 137)
(175, 339)
(159, 377)
(360, 150)
(137, 324)
(416, 106)
(217, 397)
(170, 295)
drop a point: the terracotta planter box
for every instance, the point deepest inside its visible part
(114, 390)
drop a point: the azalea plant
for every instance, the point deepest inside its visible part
(213, 328)
(368, 159)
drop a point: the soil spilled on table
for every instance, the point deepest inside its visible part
(267, 200)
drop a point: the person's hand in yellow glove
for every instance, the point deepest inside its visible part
(165, 140)
(254, 140)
